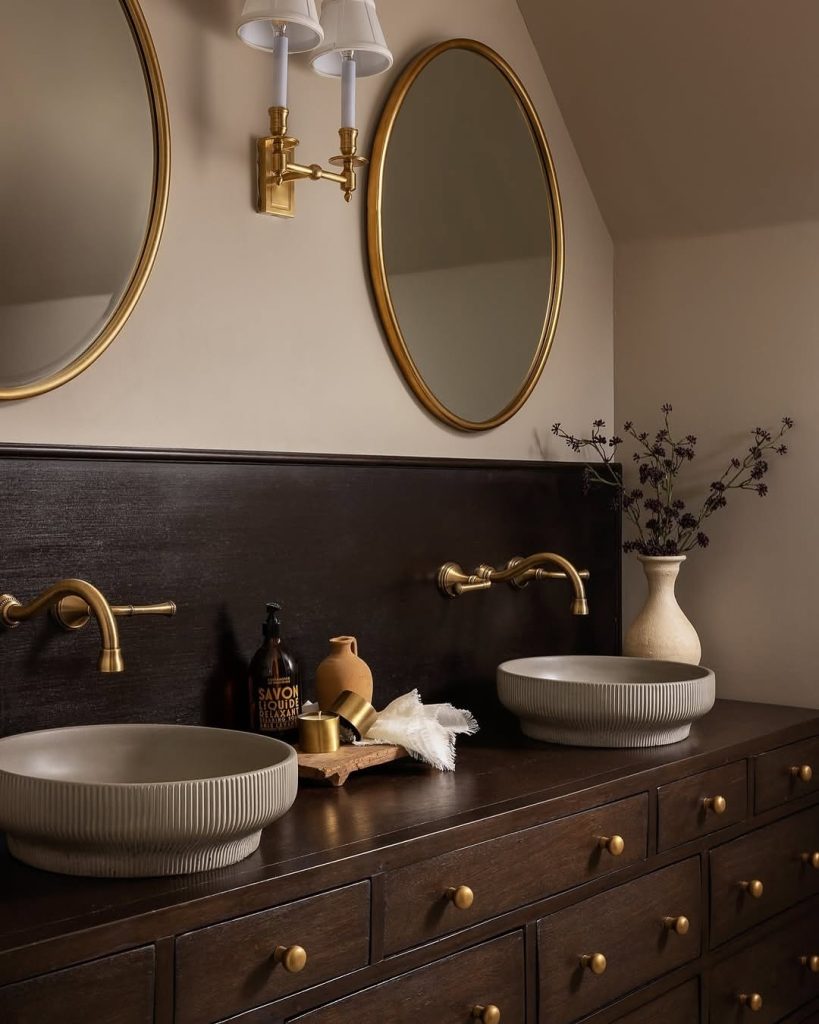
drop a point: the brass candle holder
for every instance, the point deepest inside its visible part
(319, 732)
(278, 171)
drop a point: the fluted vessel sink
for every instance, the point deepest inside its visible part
(138, 800)
(592, 701)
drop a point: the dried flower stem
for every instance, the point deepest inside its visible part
(670, 529)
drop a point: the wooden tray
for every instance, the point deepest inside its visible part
(337, 767)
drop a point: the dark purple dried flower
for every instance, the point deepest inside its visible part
(787, 422)
(762, 490)
(627, 426)
(703, 540)
(667, 408)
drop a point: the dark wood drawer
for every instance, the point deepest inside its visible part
(231, 967)
(510, 871)
(443, 993)
(773, 856)
(703, 803)
(770, 969)
(626, 926)
(117, 990)
(781, 774)
(679, 1006)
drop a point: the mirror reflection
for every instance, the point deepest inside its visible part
(469, 239)
(77, 169)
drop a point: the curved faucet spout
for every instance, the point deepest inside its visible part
(453, 581)
(520, 570)
(13, 612)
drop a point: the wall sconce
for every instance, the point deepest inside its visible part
(347, 43)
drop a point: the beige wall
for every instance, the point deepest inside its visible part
(725, 328)
(258, 333)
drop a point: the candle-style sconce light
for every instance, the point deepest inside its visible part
(348, 44)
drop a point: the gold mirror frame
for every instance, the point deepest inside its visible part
(159, 205)
(378, 271)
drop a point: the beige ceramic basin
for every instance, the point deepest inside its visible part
(136, 800)
(595, 701)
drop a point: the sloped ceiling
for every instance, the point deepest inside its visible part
(690, 116)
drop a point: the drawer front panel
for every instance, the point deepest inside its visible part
(773, 856)
(444, 993)
(117, 990)
(627, 926)
(679, 1006)
(702, 804)
(771, 970)
(231, 967)
(776, 781)
(510, 872)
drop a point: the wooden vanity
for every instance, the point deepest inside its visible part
(561, 927)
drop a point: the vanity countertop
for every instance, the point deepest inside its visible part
(335, 835)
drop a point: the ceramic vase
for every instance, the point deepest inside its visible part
(341, 670)
(661, 630)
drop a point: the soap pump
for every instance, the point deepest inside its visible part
(273, 683)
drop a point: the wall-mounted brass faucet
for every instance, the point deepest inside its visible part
(72, 604)
(518, 572)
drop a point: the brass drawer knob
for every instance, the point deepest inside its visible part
(292, 958)
(752, 1000)
(717, 804)
(803, 772)
(754, 888)
(613, 844)
(811, 962)
(461, 895)
(595, 962)
(678, 925)
(811, 858)
(489, 1014)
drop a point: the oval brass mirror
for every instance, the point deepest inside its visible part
(465, 234)
(84, 171)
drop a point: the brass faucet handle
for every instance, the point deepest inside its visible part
(72, 612)
(7, 602)
(453, 581)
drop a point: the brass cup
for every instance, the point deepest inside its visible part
(356, 714)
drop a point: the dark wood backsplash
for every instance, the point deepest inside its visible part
(347, 545)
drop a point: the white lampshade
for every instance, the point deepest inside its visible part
(257, 26)
(351, 25)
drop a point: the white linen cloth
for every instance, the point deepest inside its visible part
(426, 731)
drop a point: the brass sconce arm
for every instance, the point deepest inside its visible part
(518, 572)
(277, 166)
(73, 603)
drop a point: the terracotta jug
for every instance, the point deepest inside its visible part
(341, 670)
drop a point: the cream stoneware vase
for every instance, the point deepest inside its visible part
(341, 670)
(661, 630)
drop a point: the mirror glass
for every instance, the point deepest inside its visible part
(465, 232)
(77, 179)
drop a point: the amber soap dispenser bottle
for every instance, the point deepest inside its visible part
(275, 702)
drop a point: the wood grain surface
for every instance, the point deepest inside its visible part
(347, 545)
